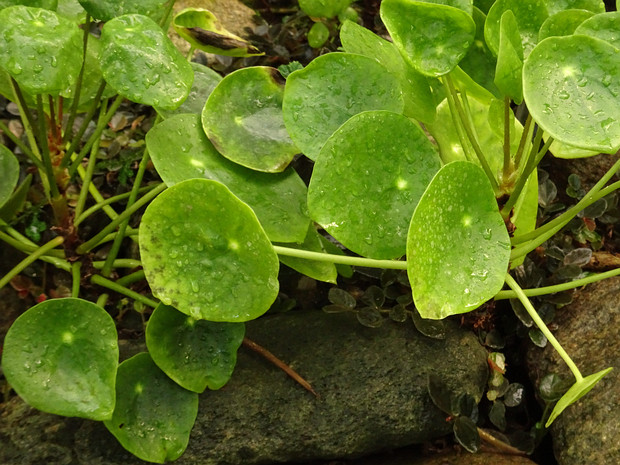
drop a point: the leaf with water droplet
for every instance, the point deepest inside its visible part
(196, 354)
(40, 49)
(576, 392)
(105, 10)
(330, 90)
(555, 6)
(142, 63)
(234, 275)
(433, 37)
(180, 150)
(563, 23)
(365, 200)
(243, 119)
(153, 416)
(529, 15)
(9, 167)
(509, 58)
(566, 91)
(61, 357)
(604, 26)
(322, 8)
(205, 80)
(419, 101)
(458, 206)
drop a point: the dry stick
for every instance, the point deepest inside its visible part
(280, 364)
(499, 444)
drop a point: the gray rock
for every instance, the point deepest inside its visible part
(449, 457)
(588, 431)
(371, 382)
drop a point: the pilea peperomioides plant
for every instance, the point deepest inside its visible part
(460, 205)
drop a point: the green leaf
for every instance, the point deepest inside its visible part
(466, 433)
(196, 354)
(9, 167)
(61, 356)
(457, 207)
(323, 8)
(205, 32)
(571, 88)
(555, 6)
(525, 211)
(331, 89)
(479, 63)
(205, 80)
(180, 150)
(205, 253)
(41, 50)
(45, 4)
(153, 416)
(419, 102)
(243, 119)
(508, 75)
(605, 26)
(576, 392)
(530, 15)
(434, 38)
(141, 63)
(16, 201)
(322, 271)
(440, 393)
(563, 23)
(562, 150)
(364, 200)
(318, 35)
(105, 10)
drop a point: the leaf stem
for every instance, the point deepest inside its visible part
(88, 245)
(131, 278)
(341, 259)
(508, 166)
(23, 147)
(109, 284)
(470, 134)
(543, 327)
(119, 263)
(559, 287)
(30, 259)
(76, 277)
(526, 136)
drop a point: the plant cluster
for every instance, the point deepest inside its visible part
(460, 205)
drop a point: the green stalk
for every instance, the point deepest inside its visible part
(96, 134)
(117, 198)
(530, 165)
(76, 276)
(470, 134)
(131, 278)
(88, 175)
(525, 137)
(94, 241)
(559, 287)
(30, 259)
(85, 122)
(508, 167)
(78, 84)
(459, 127)
(107, 283)
(45, 151)
(119, 263)
(341, 259)
(543, 327)
(527, 247)
(26, 247)
(565, 217)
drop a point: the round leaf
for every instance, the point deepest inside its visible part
(205, 253)
(141, 63)
(434, 38)
(323, 8)
(180, 150)
(605, 26)
(9, 167)
(555, 6)
(61, 357)
(40, 49)
(368, 179)
(153, 416)
(331, 89)
(105, 10)
(466, 433)
(243, 119)
(563, 23)
(572, 89)
(530, 15)
(47, 4)
(205, 80)
(458, 207)
(196, 354)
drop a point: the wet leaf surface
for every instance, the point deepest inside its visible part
(106, 10)
(563, 23)
(9, 167)
(605, 26)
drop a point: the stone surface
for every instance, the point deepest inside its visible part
(449, 458)
(588, 432)
(372, 386)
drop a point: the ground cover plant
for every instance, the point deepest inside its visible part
(419, 165)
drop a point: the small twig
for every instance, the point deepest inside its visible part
(280, 364)
(499, 444)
